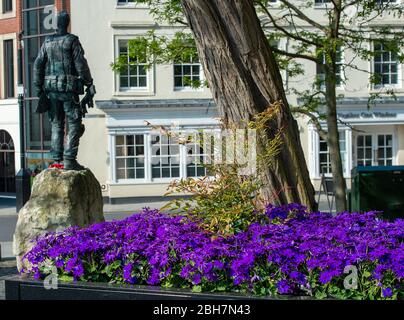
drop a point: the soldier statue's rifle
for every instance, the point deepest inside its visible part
(88, 100)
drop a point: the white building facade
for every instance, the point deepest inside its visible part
(124, 152)
(9, 117)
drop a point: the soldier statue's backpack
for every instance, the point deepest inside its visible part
(61, 75)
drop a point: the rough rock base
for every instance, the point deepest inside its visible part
(59, 199)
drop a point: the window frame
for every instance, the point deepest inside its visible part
(344, 156)
(10, 13)
(374, 133)
(124, 2)
(131, 5)
(161, 156)
(314, 146)
(321, 5)
(341, 85)
(135, 156)
(193, 143)
(384, 148)
(132, 91)
(6, 79)
(148, 178)
(389, 2)
(128, 4)
(5, 4)
(35, 148)
(190, 64)
(372, 61)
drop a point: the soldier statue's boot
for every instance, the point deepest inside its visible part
(57, 162)
(71, 164)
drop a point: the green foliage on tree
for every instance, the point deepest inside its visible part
(313, 35)
(355, 26)
(156, 49)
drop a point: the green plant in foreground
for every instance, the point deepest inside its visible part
(224, 204)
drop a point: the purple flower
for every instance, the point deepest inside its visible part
(218, 264)
(154, 278)
(327, 275)
(284, 287)
(168, 249)
(197, 279)
(127, 273)
(299, 277)
(387, 292)
(59, 263)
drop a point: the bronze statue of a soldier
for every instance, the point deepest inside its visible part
(60, 74)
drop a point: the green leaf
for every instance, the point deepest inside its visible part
(320, 295)
(66, 278)
(197, 289)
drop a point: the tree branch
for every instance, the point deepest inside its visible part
(179, 21)
(294, 55)
(283, 30)
(314, 119)
(347, 124)
(304, 17)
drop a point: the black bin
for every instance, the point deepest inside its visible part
(378, 188)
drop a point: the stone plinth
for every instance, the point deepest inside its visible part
(59, 199)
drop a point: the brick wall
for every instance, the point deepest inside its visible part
(14, 25)
(8, 27)
(63, 5)
(59, 5)
(11, 25)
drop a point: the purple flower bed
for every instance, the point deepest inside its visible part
(294, 253)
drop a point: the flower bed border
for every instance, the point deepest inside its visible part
(19, 288)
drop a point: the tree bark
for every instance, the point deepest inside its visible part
(245, 80)
(333, 144)
(332, 121)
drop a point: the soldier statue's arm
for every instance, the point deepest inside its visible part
(81, 64)
(83, 71)
(39, 70)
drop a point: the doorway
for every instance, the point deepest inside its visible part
(7, 163)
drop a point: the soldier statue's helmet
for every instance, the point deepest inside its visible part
(63, 20)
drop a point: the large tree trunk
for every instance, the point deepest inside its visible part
(245, 80)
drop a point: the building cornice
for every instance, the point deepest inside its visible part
(132, 24)
(365, 102)
(111, 105)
